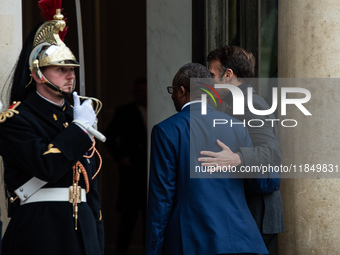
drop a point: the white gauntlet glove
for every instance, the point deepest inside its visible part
(85, 116)
(84, 112)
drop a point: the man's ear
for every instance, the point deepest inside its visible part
(183, 91)
(228, 74)
(35, 77)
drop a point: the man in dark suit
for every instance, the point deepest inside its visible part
(231, 64)
(199, 215)
(127, 143)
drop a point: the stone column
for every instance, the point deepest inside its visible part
(10, 46)
(168, 48)
(309, 47)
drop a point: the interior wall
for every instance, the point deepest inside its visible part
(10, 46)
(169, 36)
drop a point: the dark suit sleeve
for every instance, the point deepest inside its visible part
(266, 148)
(161, 189)
(265, 151)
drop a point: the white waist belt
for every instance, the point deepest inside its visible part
(52, 195)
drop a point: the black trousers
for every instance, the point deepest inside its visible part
(270, 240)
(237, 254)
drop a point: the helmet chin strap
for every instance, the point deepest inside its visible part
(49, 83)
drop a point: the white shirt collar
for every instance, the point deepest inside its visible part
(50, 100)
(191, 102)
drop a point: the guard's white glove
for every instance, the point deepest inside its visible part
(84, 112)
(0, 106)
(85, 116)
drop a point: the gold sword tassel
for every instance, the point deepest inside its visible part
(75, 194)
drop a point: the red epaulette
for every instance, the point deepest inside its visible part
(14, 105)
(9, 113)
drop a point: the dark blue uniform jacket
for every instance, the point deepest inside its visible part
(41, 141)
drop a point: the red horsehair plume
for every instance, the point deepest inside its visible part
(48, 10)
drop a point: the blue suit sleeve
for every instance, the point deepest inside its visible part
(265, 183)
(162, 183)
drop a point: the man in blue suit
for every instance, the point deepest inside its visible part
(236, 66)
(196, 216)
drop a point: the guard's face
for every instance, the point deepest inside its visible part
(61, 76)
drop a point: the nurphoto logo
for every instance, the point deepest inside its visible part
(239, 104)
